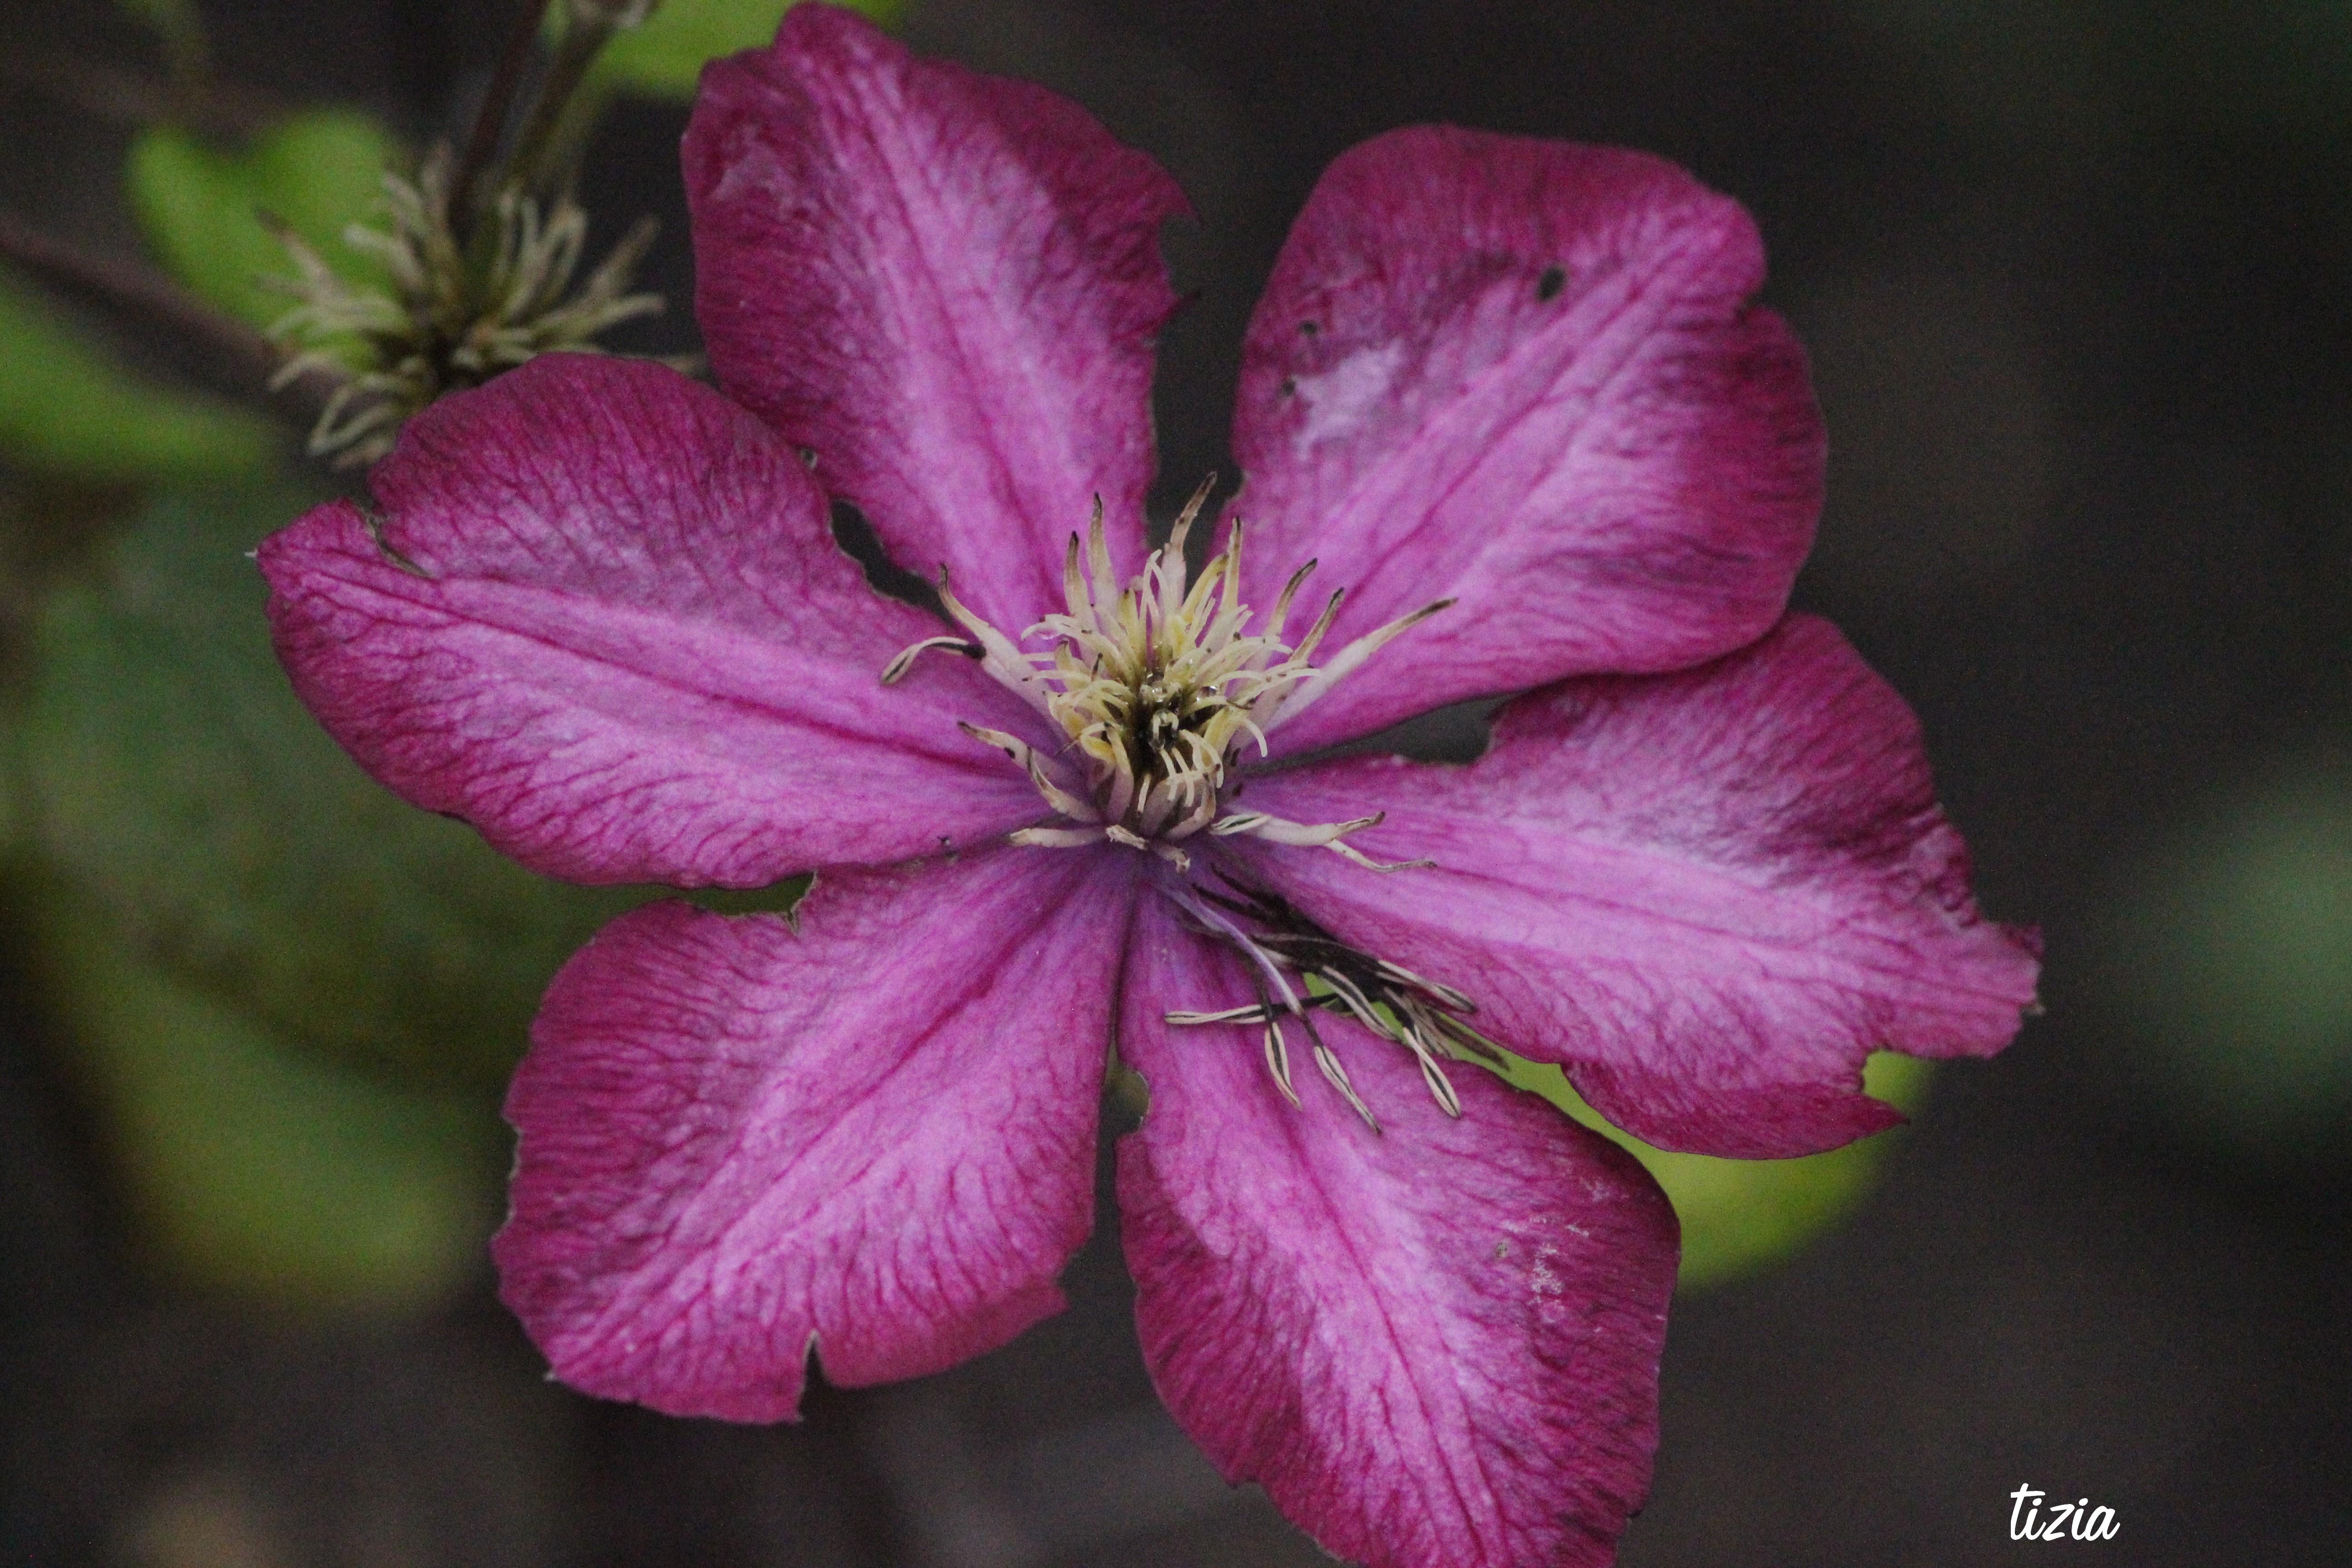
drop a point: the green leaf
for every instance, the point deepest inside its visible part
(174, 781)
(200, 205)
(1738, 1215)
(68, 409)
(664, 58)
(253, 1169)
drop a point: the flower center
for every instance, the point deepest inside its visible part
(1157, 686)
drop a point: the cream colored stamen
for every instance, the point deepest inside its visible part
(1157, 684)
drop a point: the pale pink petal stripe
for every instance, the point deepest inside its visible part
(873, 1137)
(1526, 375)
(945, 285)
(1708, 894)
(602, 616)
(1435, 1346)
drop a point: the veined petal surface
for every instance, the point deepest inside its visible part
(1524, 375)
(1710, 895)
(872, 1136)
(946, 285)
(1435, 1346)
(602, 616)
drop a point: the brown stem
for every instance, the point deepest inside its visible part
(140, 292)
(482, 146)
(127, 97)
(575, 51)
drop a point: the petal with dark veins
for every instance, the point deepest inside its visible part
(1708, 895)
(1435, 1346)
(946, 285)
(873, 1135)
(603, 618)
(1524, 375)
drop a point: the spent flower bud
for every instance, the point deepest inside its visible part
(453, 315)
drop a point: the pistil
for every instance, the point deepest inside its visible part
(1427, 1018)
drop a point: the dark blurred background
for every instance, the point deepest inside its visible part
(2074, 279)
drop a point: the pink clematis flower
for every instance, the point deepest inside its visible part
(1510, 399)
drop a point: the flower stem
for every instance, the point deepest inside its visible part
(123, 97)
(179, 27)
(138, 292)
(583, 39)
(490, 120)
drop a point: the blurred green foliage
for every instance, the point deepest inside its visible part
(254, 1168)
(201, 205)
(175, 782)
(68, 408)
(291, 998)
(2235, 956)
(664, 58)
(1737, 1216)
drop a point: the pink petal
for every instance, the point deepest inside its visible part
(873, 1137)
(608, 625)
(946, 285)
(1435, 1346)
(1708, 894)
(1524, 375)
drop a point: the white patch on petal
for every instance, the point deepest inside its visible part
(1341, 399)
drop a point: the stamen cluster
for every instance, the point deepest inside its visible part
(1157, 685)
(1154, 682)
